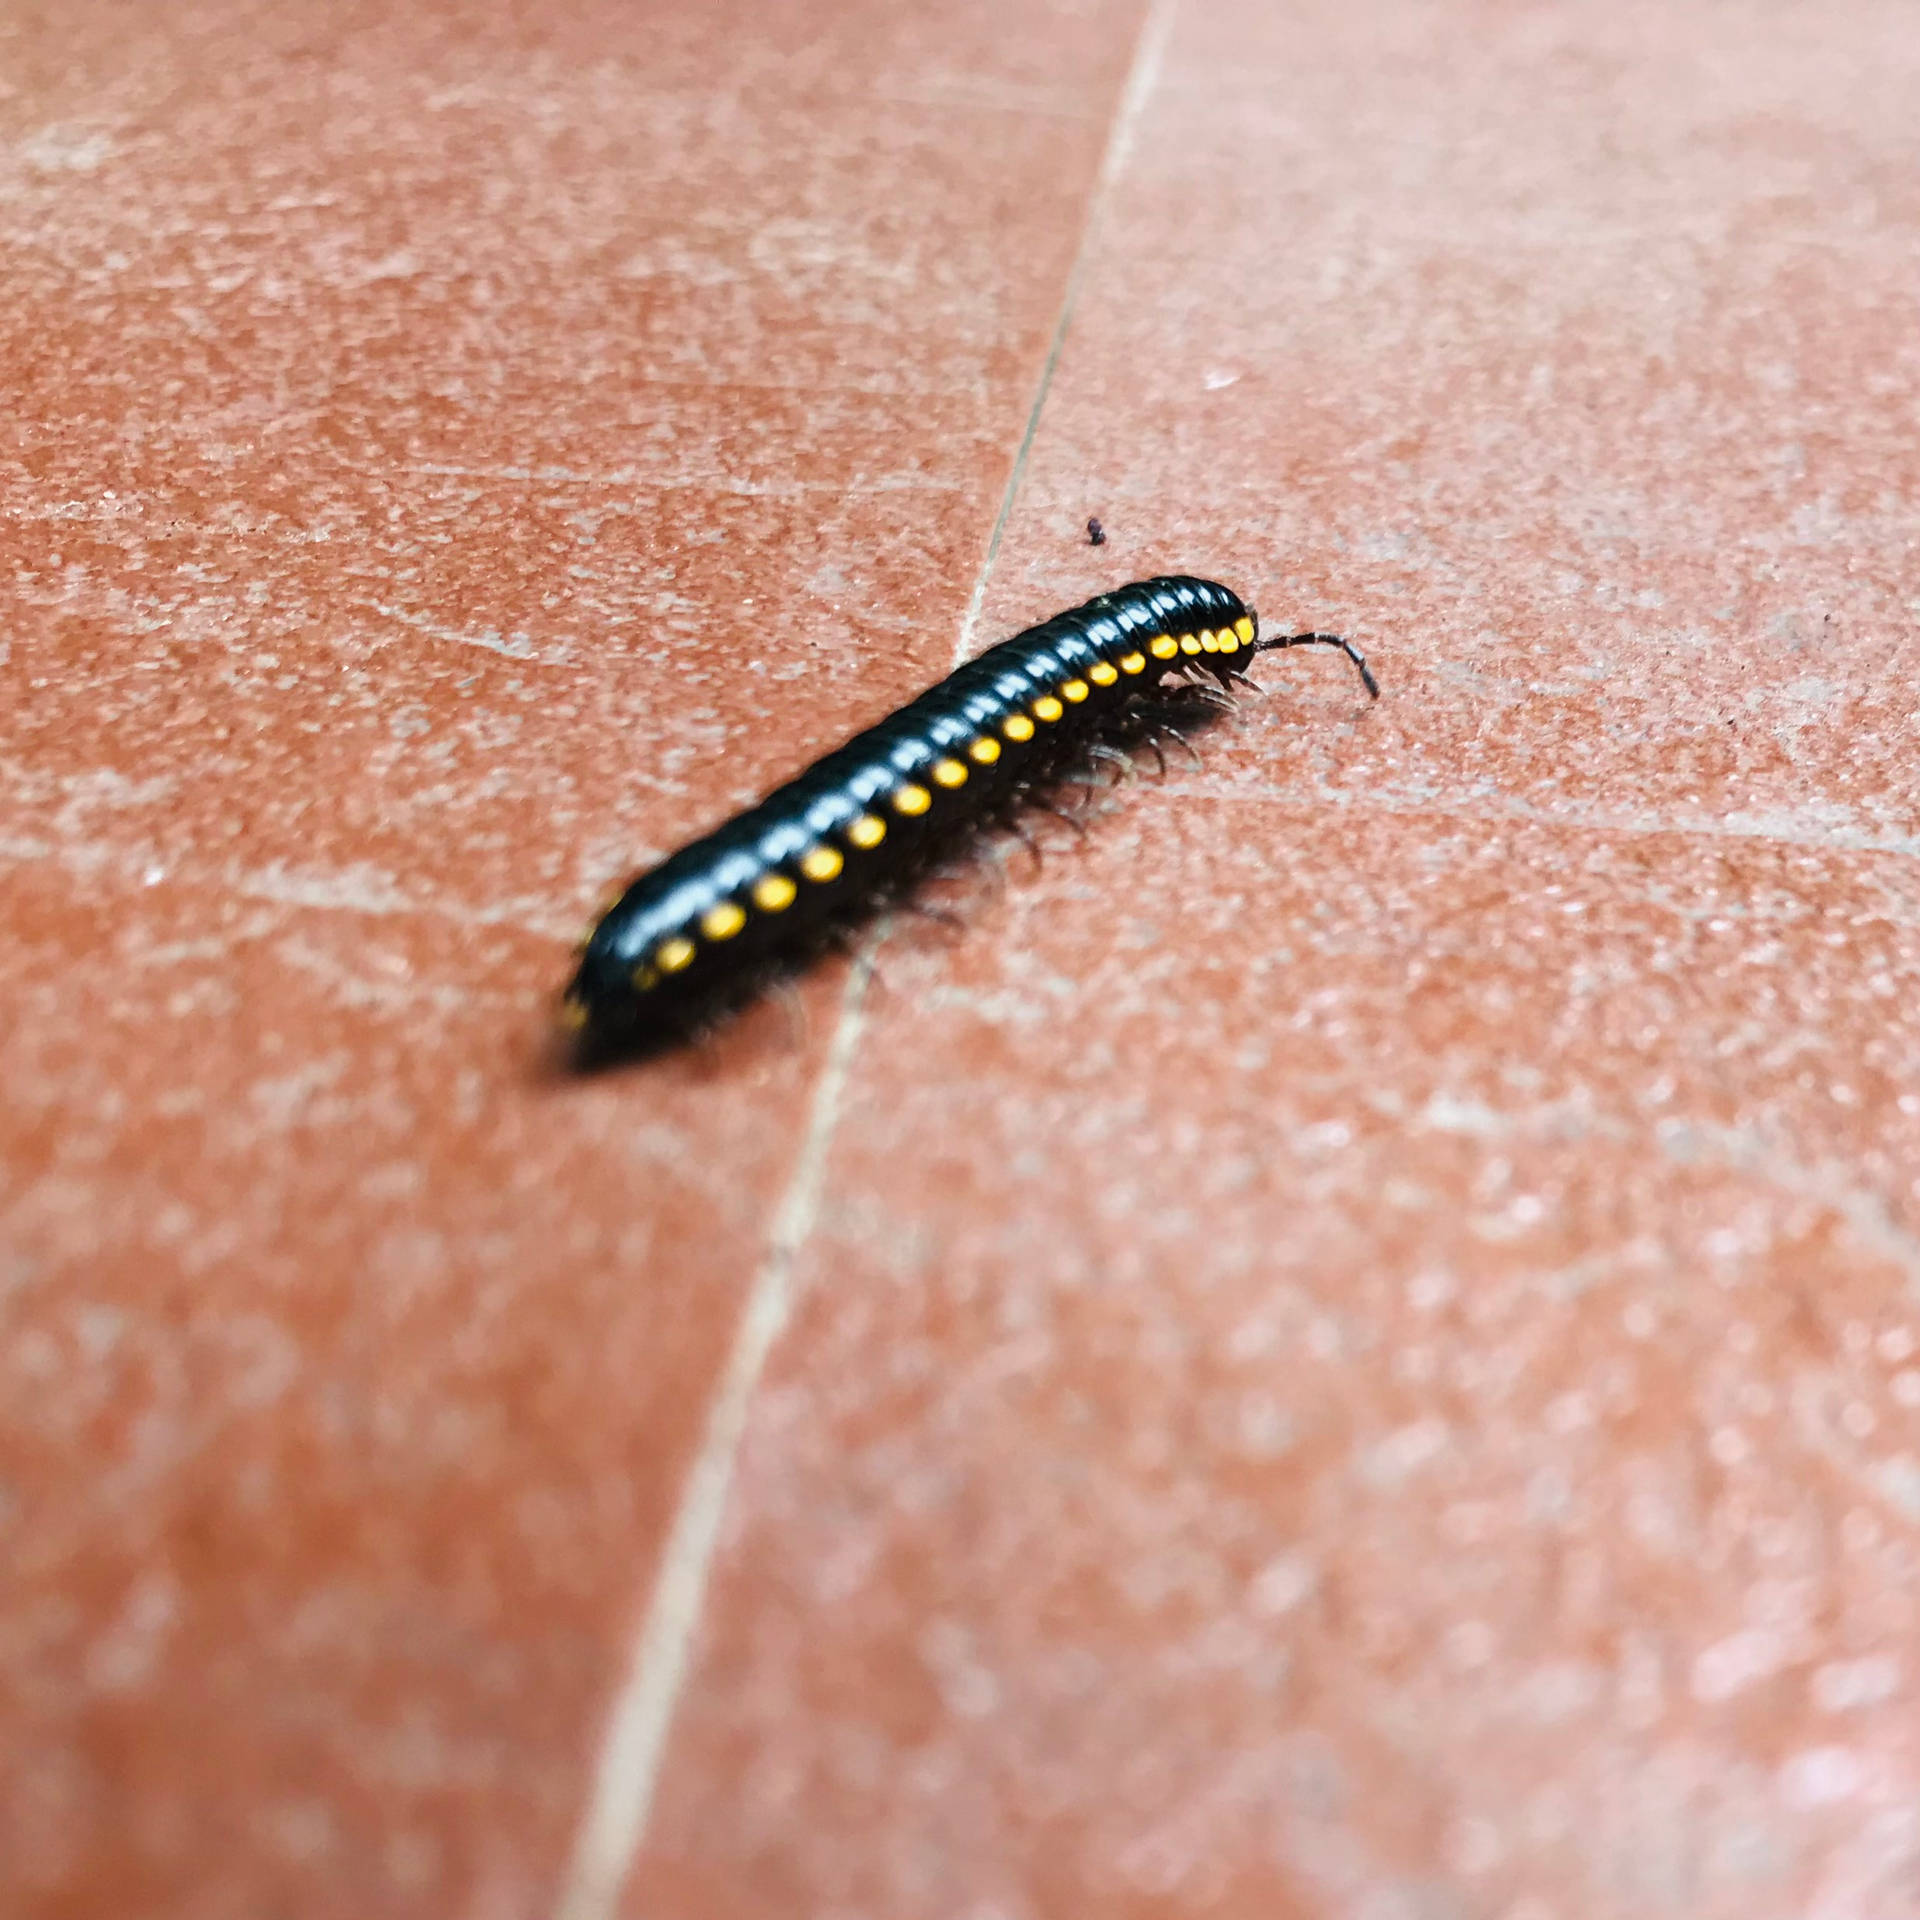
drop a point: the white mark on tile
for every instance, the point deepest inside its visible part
(1266, 1429)
(1562, 1689)
(514, 646)
(1569, 1412)
(1473, 1847)
(1857, 1419)
(1642, 1683)
(360, 887)
(967, 1685)
(131, 1648)
(1898, 1478)
(303, 1830)
(1820, 1776)
(1282, 1584)
(1731, 1665)
(1469, 1644)
(1322, 1339)
(62, 149)
(1445, 1114)
(1859, 1530)
(1841, 1684)
(399, 265)
(1404, 1451)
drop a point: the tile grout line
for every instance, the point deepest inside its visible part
(621, 1795)
(620, 1798)
(1141, 78)
(1623, 825)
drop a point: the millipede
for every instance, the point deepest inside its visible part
(706, 925)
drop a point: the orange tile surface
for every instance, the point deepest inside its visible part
(433, 439)
(1350, 1347)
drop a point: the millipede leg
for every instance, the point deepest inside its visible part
(991, 870)
(793, 1004)
(1029, 842)
(1215, 697)
(940, 916)
(1174, 733)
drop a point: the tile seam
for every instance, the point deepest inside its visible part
(620, 1798)
(133, 871)
(1142, 76)
(1620, 825)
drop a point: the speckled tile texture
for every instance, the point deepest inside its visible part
(1349, 1347)
(438, 440)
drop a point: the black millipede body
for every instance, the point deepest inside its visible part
(703, 925)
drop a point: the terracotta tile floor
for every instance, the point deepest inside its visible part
(1350, 1348)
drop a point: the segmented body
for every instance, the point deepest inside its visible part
(768, 882)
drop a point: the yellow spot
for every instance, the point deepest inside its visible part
(1163, 646)
(1208, 644)
(645, 978)
(1103, 675)
(1075, 690)
(1133, 663)
(911, 800)
(722, 922)
(821, 863)
(949, 773)
(1189, 643)
(1229, 640)
(573, 1016)
(1244, 628)
(985, 751)
(675, 954)
(774, 893)
(868, 831)
(1017, 727)
(1048, 708)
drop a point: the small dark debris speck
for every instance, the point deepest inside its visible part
(1096, 534)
